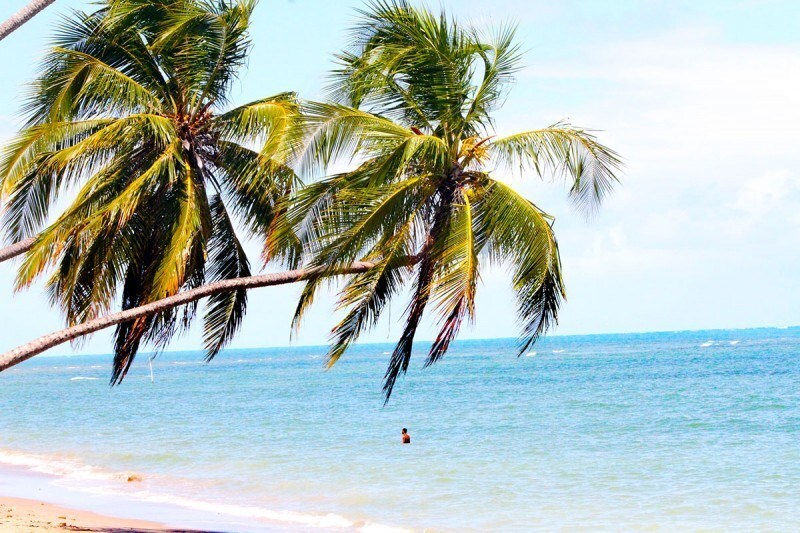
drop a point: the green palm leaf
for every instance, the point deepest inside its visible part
(572, 152)
(519, 234)
(227, 260)
(414, 97)
(455, 282)
(128, 107)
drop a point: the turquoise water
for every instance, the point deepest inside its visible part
(668, 431)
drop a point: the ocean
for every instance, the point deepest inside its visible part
(660, 431)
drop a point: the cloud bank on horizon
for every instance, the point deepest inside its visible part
(702, 99)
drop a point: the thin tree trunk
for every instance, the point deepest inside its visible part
(26, 351)
(22, 16)
(18, 248)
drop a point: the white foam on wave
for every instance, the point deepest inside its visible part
(60, 466)
(324, 521)
(240, 511)
(108, 483)
(83, 378)
(530, 354)
(734, 343)
(369, 527)
(559, 351)
(706, 344)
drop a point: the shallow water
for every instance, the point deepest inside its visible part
(670, 431)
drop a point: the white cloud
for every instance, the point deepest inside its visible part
(709, 133)
(688, 90)
(767, 192)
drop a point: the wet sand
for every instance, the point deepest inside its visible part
(34, 516)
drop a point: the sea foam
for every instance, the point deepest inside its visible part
(67, 471)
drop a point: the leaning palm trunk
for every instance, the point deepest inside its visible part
(22, 16)
(26, 351)
(18, 248)
(129, 111)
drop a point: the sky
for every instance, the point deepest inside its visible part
(701, 98)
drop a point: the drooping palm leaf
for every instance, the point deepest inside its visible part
(567, 151)
(129, 106)
(415, 94)
(227, 261)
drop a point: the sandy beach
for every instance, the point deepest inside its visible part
(30, 515)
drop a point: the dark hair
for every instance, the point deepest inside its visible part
(404, 430)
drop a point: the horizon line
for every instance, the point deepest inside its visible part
(422, 341)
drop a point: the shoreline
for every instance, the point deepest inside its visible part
(38, 500)
(35, 501)
(25, 514)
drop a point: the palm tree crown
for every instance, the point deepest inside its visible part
(129, 108)
(412, 108)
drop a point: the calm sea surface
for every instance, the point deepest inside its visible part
(688, 430)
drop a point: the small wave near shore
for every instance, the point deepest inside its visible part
(70, 474)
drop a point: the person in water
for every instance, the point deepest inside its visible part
(406, 436)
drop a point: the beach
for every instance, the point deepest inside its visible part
(35, 497)
(673, 430)
(397, 266)
(31, 515)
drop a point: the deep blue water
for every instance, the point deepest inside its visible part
(682, 430)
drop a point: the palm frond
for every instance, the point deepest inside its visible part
(102, 211)
(254, 184)
(501, 61)
(572, 152)
(266, 123)
(86, 84)
(227, 260)
(204, 44)
(22, 152)
(359, 218)
(407, 64)
(337, 132)
(456, 277)
(401, 355)
(188, 236)
(64, 155)
(93, 70)
(519, 234)
(366, 294)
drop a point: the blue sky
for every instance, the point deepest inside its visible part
(702, 99)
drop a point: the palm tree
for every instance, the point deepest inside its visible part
(129, 109)
(22, 16)
(413, 99)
